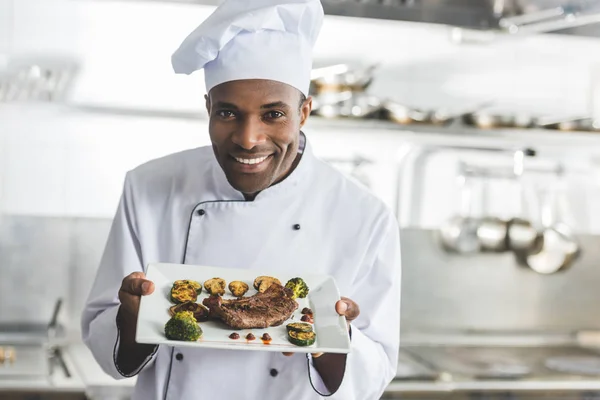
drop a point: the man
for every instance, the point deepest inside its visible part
(257, 199)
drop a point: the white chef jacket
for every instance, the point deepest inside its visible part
(181, 209)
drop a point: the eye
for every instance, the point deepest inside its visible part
(274, 115)
(225, 114)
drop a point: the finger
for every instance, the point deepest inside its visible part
(341, 307)
(130, 302)
(316, 355)
(348, 308)
(137, 286)
(288, 354)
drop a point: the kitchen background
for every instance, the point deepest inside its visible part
(466, 113)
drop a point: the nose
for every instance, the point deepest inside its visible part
(249, 133)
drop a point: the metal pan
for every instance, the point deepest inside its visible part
(341, 78)
(346, 105)
(489, 120)
(583, 124)
(403, 114)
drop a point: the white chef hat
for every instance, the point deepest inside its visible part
(254, 39)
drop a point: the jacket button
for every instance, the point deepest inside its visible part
(297, 227)
(179, 356)
(201, 212)
(274, 372)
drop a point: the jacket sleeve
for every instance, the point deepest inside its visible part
(122, 256)
(375, 334)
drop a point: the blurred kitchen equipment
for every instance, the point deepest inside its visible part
(584, 124)
(559, 248)
(341, 78)
(53, 325)
(487, 119)
(521, 234)
(33, 349)
(492, 231)
(459, 233)
(405, 115)
(39, 79)
(346, 105)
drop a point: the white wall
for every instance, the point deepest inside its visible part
(125, 49)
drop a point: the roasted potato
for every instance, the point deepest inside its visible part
(194, 284)
(267, 282)
(183, 293)
(259, 279)
(238, 288)
(215, 286)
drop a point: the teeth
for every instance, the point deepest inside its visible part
(251, 160)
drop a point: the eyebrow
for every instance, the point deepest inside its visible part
(231, 106)
(275, 104)
(222, 104)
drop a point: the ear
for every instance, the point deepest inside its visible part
(207, 102)
(305, 111)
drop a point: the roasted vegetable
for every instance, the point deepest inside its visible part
(194, 284)
(262, 283)
(298, 286)
(302, 338)
(299, 327)
(183, 293)
(200, 312)
(238, 288)
(215, 286)
(183, 326)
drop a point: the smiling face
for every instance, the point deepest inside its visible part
(255, 131)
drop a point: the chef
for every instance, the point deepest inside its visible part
(258, 199)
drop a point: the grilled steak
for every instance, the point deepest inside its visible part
(262, 310)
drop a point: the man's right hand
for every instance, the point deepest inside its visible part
(131, 354)
(133, 287)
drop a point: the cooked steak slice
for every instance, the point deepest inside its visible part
(262, 310)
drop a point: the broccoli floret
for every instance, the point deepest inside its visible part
(183, 326)
(298, 286)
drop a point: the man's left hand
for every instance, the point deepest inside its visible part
(346, 307)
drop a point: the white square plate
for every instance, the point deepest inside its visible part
(330, 328)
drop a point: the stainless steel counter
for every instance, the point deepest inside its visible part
(526, 370)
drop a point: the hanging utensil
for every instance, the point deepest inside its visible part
(559, 248)
(521, 234)
(492, 231)
(459, 233)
